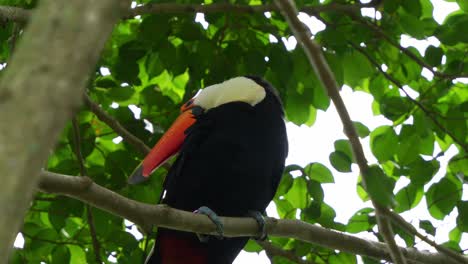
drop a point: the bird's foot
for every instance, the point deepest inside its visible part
(261, 224)
(215, 219)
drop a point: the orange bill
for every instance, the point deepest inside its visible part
(167, 146)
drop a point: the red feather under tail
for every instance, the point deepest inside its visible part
(180, 249)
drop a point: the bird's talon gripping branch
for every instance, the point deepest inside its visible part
(261, 224)
(215, 219)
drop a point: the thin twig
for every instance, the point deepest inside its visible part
(322, 69)
(17, 14)
(380, 33)
(416, 102)
(157, 8)
(397, 219)
(139, 145)
(83, 172)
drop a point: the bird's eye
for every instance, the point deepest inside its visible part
(187, 105)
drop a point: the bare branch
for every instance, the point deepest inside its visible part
(321, 67)
(83, 172)
(15, 14)
(145, 215)
(380, 33)
(428, 112)
(397, 219)
(157, 8)
(22, 15)
(139, 145)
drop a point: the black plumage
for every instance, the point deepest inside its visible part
(231, 161)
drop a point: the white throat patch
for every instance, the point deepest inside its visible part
(239, 89)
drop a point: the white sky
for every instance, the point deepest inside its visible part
(314, 144)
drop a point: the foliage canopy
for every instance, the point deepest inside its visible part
(159, 59)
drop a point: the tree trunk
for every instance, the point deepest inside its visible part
(39, 90)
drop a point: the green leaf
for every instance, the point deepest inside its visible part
(342, 258)
(455, 235)
(383, 142)
(379, 186)
(61, 254)
(422, 171)
(463, 4)
(454, 30)
(433, 56)
(77, 254)
(340, 161)
(427, 226)
(394, 107)
(312, 212)
(327, 215)
(343, 145)
(361, 221)
(315, 190)
(411, 24)
(252, 246)
(126, 68)
(459, 164)
(285, 184)
(298, 107)
(408, 149)
(442, 197)
(353, 75)
(408, 197)
(427, 8)
(297, 195)
(412, 7)
(285, 209)
(317, 171)
(120, 94)
(462, 218)
(61, 208)
(361, 129)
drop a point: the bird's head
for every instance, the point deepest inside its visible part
(248, 89)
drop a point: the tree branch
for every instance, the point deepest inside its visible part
(83, 172)
(21, 15)
(157, 8)
(410, 229)
(15, 14)
(416, 102)
(139, 145)
(145, 215)
(380, 33)
(131, 139)
(321, 67)
(34, 118)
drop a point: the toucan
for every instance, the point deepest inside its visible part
(232, 144)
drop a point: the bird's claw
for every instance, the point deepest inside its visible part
(215, 219)
(261, 224)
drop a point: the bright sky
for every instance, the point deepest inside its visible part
(316, 143)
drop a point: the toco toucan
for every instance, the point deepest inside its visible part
(232, 145)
